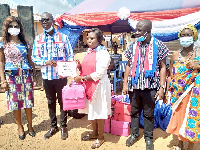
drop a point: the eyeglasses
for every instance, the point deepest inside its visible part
(15, 26)
(44, 19)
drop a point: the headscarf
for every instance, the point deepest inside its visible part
(191, 27)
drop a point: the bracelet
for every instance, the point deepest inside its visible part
(86, 78)
(162, 86)
(166, 95)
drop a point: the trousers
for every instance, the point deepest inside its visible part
(53, 89)
(142, 100)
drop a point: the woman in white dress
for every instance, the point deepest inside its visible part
(98, 88)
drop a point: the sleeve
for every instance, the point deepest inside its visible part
(129, 51)
(103, 61)
(36, 57)
(1, 44)
(162, 51)
(69, 54)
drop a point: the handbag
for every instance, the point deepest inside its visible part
(122, 112)
(73, 96)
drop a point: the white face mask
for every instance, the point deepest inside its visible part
(14, 31)
(48, 30)
(186, 41)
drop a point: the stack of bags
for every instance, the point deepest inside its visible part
(119, 121)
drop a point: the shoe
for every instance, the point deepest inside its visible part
(22, 137)
(51, 132)
(131, 140)
(64, 133)
(149, 144)
(31, 133)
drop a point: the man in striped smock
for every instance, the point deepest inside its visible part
(49, 47)
(144, 80)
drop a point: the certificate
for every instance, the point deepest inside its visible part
(66, 68)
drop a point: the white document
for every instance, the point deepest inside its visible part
(66, 68)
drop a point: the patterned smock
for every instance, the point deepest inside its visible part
(19, 76)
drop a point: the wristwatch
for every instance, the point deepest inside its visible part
(162, 86)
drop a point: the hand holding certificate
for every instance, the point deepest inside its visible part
(66, 68)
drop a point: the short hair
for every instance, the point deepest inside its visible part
(6, 35)
(47, 13)
(98, 33)
(146, 23)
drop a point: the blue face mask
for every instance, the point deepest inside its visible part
(186, 41)
(142, 38)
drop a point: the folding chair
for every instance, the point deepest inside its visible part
(118, 74)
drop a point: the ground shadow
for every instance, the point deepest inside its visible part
(9, 118)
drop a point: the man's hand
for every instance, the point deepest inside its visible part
(160, 94)
(51, 62)
(125, 89)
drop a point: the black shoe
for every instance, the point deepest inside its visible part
(131, 140)
(31, 133)
(149, 144)
(64, 133)
(22, 137)
(51, 132)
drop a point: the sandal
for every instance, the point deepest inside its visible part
(88, 137)
(97, 144)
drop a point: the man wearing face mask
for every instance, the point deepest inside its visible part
(144, 80)
(50, 47)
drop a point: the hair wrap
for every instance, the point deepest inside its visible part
(191, 27)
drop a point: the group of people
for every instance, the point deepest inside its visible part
(144, 79)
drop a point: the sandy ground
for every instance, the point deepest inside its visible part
(77, 128)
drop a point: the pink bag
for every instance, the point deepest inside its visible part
(107, 125)
(73, 96)
(122, 112)
(120, 128)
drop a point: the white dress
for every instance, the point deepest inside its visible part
(100, 106)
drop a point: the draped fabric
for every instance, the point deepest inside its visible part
(166, 24)
(182, 79)
(73, 33)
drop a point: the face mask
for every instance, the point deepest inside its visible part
(13, 31)
(186, 41)
(142, 38)
(48, 30)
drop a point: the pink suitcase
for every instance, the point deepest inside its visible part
(107, 125)
(73, 96)
(120, 128)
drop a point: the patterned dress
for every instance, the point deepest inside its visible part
(19, 76)
(185, 120)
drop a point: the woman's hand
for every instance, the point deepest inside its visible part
(5, 86)
(78, 64)
(78, 79)
(193, 65)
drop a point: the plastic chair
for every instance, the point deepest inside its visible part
(118, 77)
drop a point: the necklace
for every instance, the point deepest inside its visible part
(188, 54)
